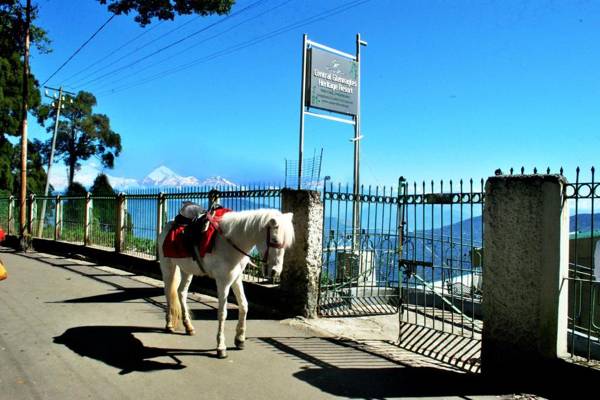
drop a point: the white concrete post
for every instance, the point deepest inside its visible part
(160, 216)
(121, 206)
(87, 219)
(11, 215)
(32, 214)
(525, 293)
(302, 263)
(58, 218)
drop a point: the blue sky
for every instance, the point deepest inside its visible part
(450, 89)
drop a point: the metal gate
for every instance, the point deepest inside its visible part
(442, 256)
(359, 275)
(441, 271)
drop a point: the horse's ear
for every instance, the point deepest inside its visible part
(289, 216)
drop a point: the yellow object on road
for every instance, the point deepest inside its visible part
(3, 273)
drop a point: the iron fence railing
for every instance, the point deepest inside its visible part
(442, 256)
(584, 270)
(360, 240)
(128, 223)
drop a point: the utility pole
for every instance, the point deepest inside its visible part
(23, 194)
(59, 106)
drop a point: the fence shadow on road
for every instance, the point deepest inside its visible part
(346, 368)
(452, 348)
(126, 288)
(117, 346)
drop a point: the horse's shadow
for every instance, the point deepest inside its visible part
(118, 347)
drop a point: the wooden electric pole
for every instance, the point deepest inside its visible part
(23, 194)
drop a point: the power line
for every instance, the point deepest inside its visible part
(101, 59)
(170, 58)
(79, 49)
(240, 46)
(102, 68)
(175, 43)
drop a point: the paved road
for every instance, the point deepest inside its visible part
(74, 330)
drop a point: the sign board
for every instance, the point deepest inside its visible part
(332, 82)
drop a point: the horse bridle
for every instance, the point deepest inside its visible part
(270, 243)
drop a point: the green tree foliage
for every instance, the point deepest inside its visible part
(104, 202)
(102, 187)
(74, 208)
(166, 9)
(36, 175)
(12, 38)
(81, 133)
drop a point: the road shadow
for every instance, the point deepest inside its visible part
(454, 349)
(119, 295)
(117, 347)
(345, 368)
(210, 314)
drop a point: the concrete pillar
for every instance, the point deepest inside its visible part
(121, 221)
(87, 219)
(58, 218)
(302, 263)
(525, 293)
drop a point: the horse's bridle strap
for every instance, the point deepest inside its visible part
(270, 244)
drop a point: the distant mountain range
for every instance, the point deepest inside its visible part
(166, 177)
(161, 177)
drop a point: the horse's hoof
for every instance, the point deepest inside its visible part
(221, 353)
(190, 332)
(170, 329)
(240, 344)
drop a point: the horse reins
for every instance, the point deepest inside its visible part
(270, 244)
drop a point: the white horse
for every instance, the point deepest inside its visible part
(238, 233)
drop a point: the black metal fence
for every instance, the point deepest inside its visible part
(442, 256)
(584, 266)
(128, 223)
(359, 275)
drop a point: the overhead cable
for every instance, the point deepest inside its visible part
(79, 49)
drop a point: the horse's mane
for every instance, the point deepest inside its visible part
(257, 219)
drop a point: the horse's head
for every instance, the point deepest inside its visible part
(279, 235)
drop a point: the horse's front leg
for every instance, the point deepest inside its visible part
(240, 333)
(186, 279)
(223, 292)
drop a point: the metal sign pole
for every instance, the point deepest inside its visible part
(302, 109)
(356, 140)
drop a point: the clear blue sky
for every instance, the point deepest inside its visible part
(450, 89)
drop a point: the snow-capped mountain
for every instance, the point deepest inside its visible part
(164, 176)
(217, 181)
(160, 177)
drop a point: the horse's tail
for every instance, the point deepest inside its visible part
(171, 278)
(172, 297)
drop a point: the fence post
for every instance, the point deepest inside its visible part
(524, 278)
(87, 219)
(120, 223)
(213, 198)
(11, 215)
(58, 218)
(302, 263)
(32, 211)
(160, 215)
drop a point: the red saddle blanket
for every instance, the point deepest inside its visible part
(176, 245)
